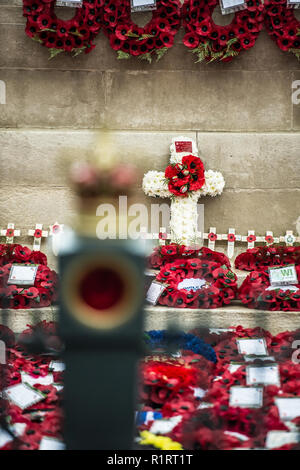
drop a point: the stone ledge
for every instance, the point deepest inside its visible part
(161, 317)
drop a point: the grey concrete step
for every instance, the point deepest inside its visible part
(161, 317)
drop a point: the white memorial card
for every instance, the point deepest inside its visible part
(263, 375)
(23, 395)
(164, 426)
(289, 408)
(283, 275)
(154, 292)
(57, 366)
(246, 397)
(230, 6)
(50, 443)
(293, 3)
(252, 346)
(276, 439)
(142, 5)
(234, 366)
(69, 3)
(22, 275)
(192, 284)
(28, 379)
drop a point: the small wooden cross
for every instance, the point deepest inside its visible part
(250, 238)
(37, 235)
(289, 238)
(10, 233)
(212, 237)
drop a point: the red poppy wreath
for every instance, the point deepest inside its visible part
(44, 290)
(74, 35)
(197, 284)
(283, 26)
(258, 258)
(168, 253)
(255, 292)
(211, 42)
(128, 39)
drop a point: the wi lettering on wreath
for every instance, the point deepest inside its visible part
(2, 92)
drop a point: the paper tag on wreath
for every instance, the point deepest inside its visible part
(246, 397)
(252, 346)
(193, 284)
(183, 146)
(293, 3)
(231, 6)
(154, 292)
(22, 275)
(263, 375)
(283, 275)
(23, 395)
(142, 5)
(289, 408)
(69, 3)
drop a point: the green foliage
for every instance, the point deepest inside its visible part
(37, 39)
(123, 55)
(146, 56)
(160, 53)
(130, 34)
(54, 52)
(77, 51)
(296, 52)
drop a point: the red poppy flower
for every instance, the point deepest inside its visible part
(22, 253)
(204, 28)
(231, 237)
(251, 238)
(269, 239)
(212, 236)
(247, 42)
(191, 40)
(116, 43)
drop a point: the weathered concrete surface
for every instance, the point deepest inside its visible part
(186, 319)
(247, 160)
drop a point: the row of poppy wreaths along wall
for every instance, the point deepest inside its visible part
(208, 41)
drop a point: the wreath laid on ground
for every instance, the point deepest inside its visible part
(255, 293)
(169, 253)
(257, 258)
(219, 284)
(283, 26)
(74, 35)
(128, 39)
(211, 42)
(44, 291)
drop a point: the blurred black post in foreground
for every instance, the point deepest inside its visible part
(101, 323)
(101, 312)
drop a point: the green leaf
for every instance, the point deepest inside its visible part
(145, 36)
(296, 52)
(37, 39)
(160, 53)
(123, 55)
(77, 51)
(37, 299)
(130, 34)
(47, 29)
(54, 52)
(146, 56)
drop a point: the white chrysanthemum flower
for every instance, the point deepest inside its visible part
(154, 184)
(214, 184)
